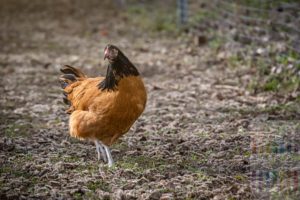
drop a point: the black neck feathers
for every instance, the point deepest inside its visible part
(117, 69)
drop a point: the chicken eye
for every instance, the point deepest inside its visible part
(115, 53)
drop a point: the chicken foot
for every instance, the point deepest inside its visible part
(104, 152)
(100, 151)
(109, 157)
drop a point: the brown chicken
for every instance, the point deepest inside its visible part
(104, 108)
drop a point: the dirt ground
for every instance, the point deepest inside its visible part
(203, 135)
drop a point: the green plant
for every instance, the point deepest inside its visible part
(100, 184)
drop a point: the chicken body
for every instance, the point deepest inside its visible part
(105, 115)
(104, 108)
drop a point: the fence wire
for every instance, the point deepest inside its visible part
(257, 22)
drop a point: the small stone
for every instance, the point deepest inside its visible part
(166, 196)
(155, 195)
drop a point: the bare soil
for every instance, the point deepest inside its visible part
(202, 135)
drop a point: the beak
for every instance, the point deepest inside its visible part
(105, 53)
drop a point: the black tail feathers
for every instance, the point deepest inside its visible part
(69, 76)
(67, 79)
(72, 70)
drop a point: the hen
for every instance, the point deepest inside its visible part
(104, 108)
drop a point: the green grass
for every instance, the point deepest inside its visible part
(264, 4)
(216, 43)
(203, 134)
(201, 175)
(90, 168)
(283, 81)
(15, 130)
(202, 16)
(71, 159)
(17, 172)
(241, 177)
(100, 184)
(153, 18)
(234, 61)
(121, 146)
(295, 157)
(78, 196)
(141, 163)
(272, 84)
(285, 110)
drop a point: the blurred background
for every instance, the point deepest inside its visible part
(264, 34)
(223, 113)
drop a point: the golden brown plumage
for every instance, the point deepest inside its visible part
(104, 108)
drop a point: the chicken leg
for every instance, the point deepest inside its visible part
(108, 155)
(104, 152)
(100, 151)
